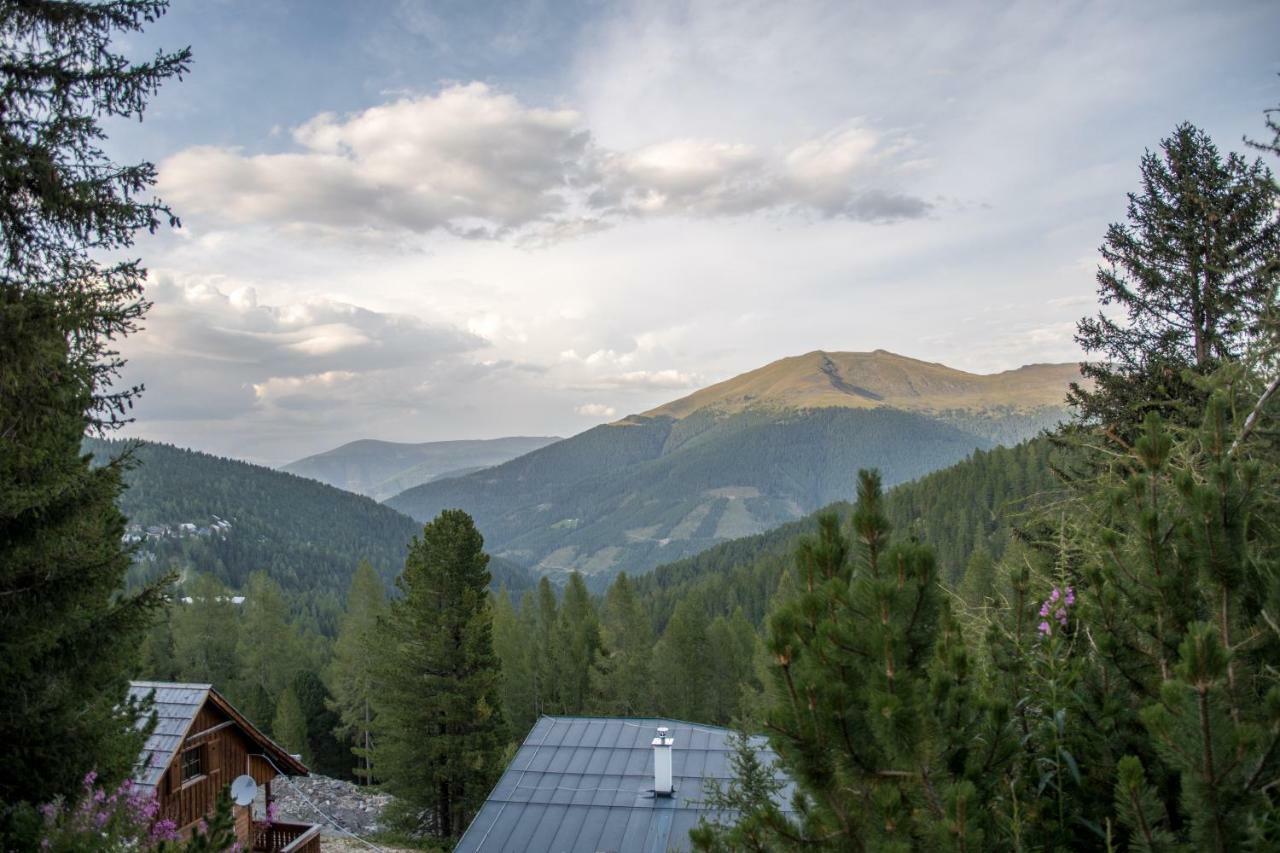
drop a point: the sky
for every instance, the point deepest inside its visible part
(420, 220)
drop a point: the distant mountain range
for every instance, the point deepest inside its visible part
(740, 457)
(381, 469)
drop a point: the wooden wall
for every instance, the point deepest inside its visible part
(228, 754)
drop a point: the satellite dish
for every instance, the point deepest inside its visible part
(243, 790)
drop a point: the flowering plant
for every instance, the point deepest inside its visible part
(123, 819)
(1057, 605)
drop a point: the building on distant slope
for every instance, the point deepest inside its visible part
(601, 783)
(199, 745)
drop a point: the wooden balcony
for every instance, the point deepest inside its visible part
(286, 837)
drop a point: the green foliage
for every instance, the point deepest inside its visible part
(871, 706)
(308, 536)
(439, 718)
(68, 640)
(624, 678)
(752, 792)
(204, 649)
(575, 647)
(652, 490)
(289, 727)
(269, 651)
(124, 819)
(350, 677)
(1194, 271)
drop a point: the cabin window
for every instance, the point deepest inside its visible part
(192, 763)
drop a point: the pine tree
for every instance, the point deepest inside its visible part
(872, 709)
(68, 640)
(1182, 563)
(1192, 269)
(351, 675)
(289, 725)
(439, 718)
(624, 677)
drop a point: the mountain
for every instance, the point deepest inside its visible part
(381, 469)
(869, 380)
(193, 511)
(739, 457)
(973, 504)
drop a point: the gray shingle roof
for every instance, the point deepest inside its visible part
(586, 784)
(176, 706)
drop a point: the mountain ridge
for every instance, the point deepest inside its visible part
(381, 469)
(824, 379)
(740, 457)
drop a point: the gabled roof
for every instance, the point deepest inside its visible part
(586, 784)
(176, 707)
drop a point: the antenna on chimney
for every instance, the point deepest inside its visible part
(662, 763)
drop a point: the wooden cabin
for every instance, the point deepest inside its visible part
(199, 745)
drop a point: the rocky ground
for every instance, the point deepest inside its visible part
(355, 809)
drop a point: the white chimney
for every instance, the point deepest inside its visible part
(662, 763)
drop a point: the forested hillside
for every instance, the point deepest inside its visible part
(307, 536)
(633, 495)
(971, 506)
(381, 469)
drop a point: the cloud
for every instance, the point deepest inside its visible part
(596, 410)
(479, 163)
(211, 349)
(669, 378)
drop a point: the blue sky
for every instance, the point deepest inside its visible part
(429, 220)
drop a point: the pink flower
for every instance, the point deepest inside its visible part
(1044, 629)
(90, 778)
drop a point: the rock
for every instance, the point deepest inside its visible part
(356, 809)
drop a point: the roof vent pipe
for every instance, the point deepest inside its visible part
(662, 763)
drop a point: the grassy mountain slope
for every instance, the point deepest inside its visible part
(866, 380)
(739, 457)
(974, 503)
(631, 496)
(381, 469)
(309, 536)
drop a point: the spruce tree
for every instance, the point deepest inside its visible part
(439, 717)
(351, 675)
(1192, 270)
(289, 725)
(68, 639)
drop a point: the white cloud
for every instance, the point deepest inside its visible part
(596, 410)
(477, 162)
(669, 378)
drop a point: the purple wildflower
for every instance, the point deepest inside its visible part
(1057, 606)
(90, 778)
(164, 830)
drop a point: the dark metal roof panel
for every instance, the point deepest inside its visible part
(586, 784)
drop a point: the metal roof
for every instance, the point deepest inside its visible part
(176, 706)
(586, 784)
